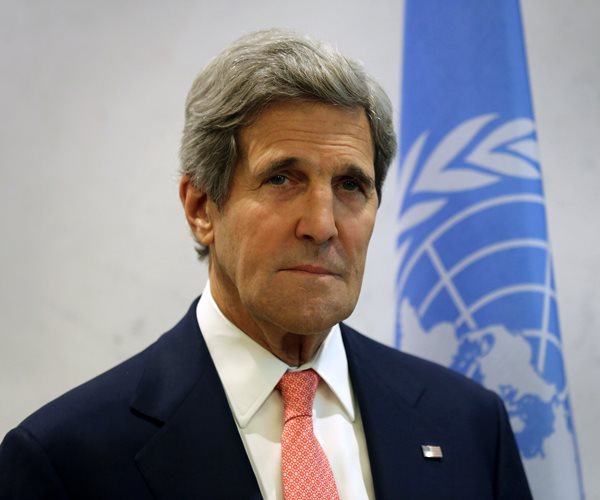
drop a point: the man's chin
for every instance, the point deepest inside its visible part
(312, 320)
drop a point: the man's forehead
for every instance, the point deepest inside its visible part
(282, 124)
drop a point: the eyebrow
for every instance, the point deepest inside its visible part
(349, 170)
(277, 166)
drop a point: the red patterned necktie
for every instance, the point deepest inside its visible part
(306, 472)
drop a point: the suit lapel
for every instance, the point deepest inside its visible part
(181, 393)
(388, 397)
(198, 452)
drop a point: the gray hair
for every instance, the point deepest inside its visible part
(262, 68)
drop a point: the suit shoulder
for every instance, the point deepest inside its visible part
(106, 398)
(88, 401)
(407, 368)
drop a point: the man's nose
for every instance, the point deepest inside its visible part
(317, 221)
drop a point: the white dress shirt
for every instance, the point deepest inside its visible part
(249, 374)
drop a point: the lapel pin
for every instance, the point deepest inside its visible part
(431, 451)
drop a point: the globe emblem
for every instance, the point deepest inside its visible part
(475, 290)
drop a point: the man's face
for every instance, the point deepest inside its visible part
(288, 249)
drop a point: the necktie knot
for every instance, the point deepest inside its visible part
(298, 391)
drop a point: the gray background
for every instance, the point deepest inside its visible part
(96, 260)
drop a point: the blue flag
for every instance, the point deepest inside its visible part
(475, 287)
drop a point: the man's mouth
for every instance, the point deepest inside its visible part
(312, 269)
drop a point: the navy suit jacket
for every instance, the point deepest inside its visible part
(159, 426)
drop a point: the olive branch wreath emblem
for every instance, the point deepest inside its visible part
(463, 161)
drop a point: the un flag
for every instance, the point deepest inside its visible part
(475, 288)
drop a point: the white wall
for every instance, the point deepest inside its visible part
(95, 256)
(564, 55)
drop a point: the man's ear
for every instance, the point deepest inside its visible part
(195, 204)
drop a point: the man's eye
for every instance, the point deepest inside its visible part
(350, 185)
(277, 180)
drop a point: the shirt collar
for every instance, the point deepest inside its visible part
(249, 373)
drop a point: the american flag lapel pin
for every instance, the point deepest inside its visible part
(431, 451)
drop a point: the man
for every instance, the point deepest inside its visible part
(285, 149)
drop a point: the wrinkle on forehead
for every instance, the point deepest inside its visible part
(343, 135)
